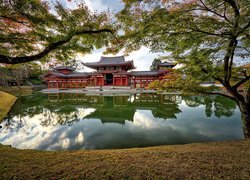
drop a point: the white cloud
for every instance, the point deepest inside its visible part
(96, 5)
(142, 58)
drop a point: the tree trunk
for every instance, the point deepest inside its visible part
(245, 117)
(18, 82)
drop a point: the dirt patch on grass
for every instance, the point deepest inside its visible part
(6, 102)
(221, 160)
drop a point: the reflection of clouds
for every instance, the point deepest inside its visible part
(145, 119)
(83, 112)
(145, 130)
(65, 143)
(28, 136)
(79, 138)
(34, 133)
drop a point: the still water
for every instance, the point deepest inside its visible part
(79, 121)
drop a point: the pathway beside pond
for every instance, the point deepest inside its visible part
(6, 102)
(104, 90)
(217, 160)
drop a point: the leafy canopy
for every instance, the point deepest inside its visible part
(37, 30)
(207, 36)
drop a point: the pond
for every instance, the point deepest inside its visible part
(80, 121)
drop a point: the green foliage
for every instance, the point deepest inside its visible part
(18, 74)
(155, 64)
(50, 31)
(204, 36)
(5, 76)
(176, 82)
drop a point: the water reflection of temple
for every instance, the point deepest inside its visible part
(123, 107)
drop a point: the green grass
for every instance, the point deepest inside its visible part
(15, 91)
(6, 102)
(221, 160)
(15, 88)
(35, 81)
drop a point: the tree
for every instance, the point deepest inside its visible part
(19, 73)
(37, 30)
(155, 64)
(5, 76)
(206, 36)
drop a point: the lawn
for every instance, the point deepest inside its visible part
(218, 160)
(6, 102)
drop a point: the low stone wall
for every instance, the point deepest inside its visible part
(93, 91)
(6, 102)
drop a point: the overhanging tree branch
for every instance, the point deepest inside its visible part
(241, 82)
(216, 78)
(225, 34)
(243, 29)
(52, 46)
(216, 13)
(233, 4)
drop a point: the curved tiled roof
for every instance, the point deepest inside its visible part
(147, 73)
(110, 61)
(74, 74)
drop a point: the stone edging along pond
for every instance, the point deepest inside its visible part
(6, 102)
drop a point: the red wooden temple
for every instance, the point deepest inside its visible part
(109, 71)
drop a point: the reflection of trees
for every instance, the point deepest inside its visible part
(121, 108)
(193, 101)
(63, 109)
(51, 114)
(162, 106)
(218, 105)
(209, 105)
(224, 107)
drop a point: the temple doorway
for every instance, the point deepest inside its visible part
(109, 79)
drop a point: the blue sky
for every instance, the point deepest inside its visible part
(142, 58)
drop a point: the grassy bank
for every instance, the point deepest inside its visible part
(15, 89)
(6, 102)
(222, 160)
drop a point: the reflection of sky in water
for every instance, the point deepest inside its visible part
(191, 125)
